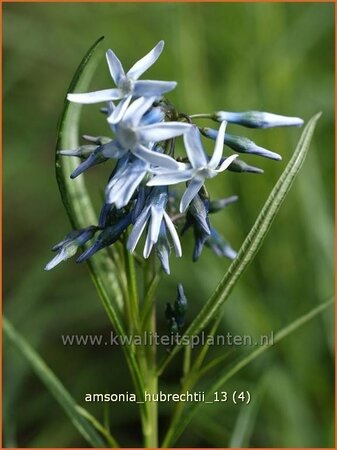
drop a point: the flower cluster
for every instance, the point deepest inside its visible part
(145, 129)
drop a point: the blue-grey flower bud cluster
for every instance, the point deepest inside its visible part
(145, 130)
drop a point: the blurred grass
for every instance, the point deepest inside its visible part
(276, 57)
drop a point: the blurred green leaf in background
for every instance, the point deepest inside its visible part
(277, 57)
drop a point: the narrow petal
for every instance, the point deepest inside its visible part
(154, 115)
(218, 148)
(115, 67)
(122, 191)
(162, 131)
(156, 218)
(174, 234)
(138, 229)
(144, 63)
(163, 255)
(118, 113)
(95, 97)
(191, 191)
(169, 178)
(194, 148)
(61, 256)
(148, 246)
(148, 88)
(137, 109)
(228, 161)
(154, 158)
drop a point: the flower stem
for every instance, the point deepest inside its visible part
(147, 355)
(201, 116)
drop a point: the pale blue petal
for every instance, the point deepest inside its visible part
(129, 189)
(169, 178)
(67, 252)
(144, 63)
(138, 229)
(120, 192)
(163, 170)
(218, 148)
(163, 255)
(174, 235)
(191, 191)
(95, 97)
(154, 115)
(56, 260)
(118, 113)
(137, 109)
(194, 148)
(148, 88)
(162, 131)
(228, 161)
(148, 246)
(157, 213)
(115, 67)
(154, 158)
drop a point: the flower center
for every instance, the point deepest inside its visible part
(126, 85)
(127, 137)
(206, 172)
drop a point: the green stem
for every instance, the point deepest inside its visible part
(201, 116)
(148, 360)
(132, 301)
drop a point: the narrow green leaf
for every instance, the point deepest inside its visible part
(74, 193)
(180, 422)
(245, 422)
(81, 212)
(54, 385)
(253, 241)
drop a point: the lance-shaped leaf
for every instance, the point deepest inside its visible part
(81, 212)
(54, 385)
(181, 420)
(254, 239)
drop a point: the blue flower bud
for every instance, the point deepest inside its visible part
(108, 237)
(175, 316)
(197, 217)
(69, 245)
(180, 306)
(241, 144)
(240, 166)
(163, 250)
(98, 140)
(217, 205)
(218, 244)
(96, 157)
(257, 119)
(84, 151)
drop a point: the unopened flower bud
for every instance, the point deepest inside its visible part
(240, 166)
(257, 119)
(241, 144)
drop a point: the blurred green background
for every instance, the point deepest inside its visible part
(277, 57)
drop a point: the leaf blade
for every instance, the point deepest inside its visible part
(180, 423)
(54, 385)
(81, 212)
(74, 193)
(253, 240)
